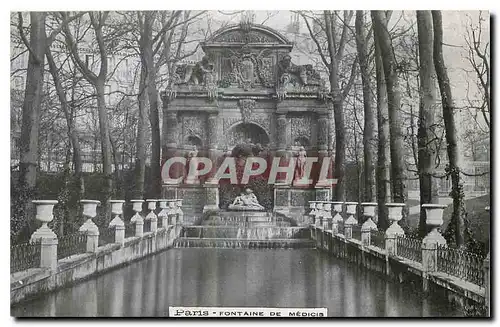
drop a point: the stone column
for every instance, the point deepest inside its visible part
(151, 216)
(117, 222)
(281, 128)
(337, 218)
(368, 225)
(47, 238)
(212, 196)
(89, 227)
(312, 213)
(163, 215)
(322, 136)
(394, 230)
(351, 220)
(282, 198)
(434, 214)
(137, 218)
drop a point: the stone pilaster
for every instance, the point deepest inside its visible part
(282, 198)
(212, 196)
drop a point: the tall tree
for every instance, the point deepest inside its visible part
(383, 148)
(427, 137)
(98, 81)
(335, 55)
(30, 112)
(398, 171)
(456, 227)
(369, 142)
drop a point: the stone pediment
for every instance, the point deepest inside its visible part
(241, 34)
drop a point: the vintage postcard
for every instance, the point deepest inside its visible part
(250, 164)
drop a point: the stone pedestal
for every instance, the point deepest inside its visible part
(312, 213)
(337, 218)
(137, 218)
(394, 230)
(89, 227)
(48, 253)
(163, 214)
(151, 216)
(117, 222)
(47, 238)
(212, 196)
(282, 198)
(434, 214)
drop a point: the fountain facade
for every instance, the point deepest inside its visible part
(246, 98)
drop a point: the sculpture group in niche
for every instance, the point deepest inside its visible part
(200, 73)
(246, 201)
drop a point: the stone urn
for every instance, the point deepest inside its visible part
(351, 211)
(137, 207)
(151, 208)
(117, 210)
(319, 213)
(337, 207)
(163, 214)
(90, 211)
(44, 214)
(171, 211)
(369, 212)
(395, 215)
(434, 214)
(178, 211)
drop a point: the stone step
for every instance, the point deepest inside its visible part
(191, 242)
(252, 232)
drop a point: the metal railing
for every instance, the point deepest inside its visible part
(106, 236)
(356, 232)
(129, 229)
(24, 256)
(71, 244)
(409, 248)
(461, 264)
(377, 238)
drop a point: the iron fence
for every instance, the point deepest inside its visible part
(106, 236)
(24, 256)
(377, 238)
(129, 229)
(71, 244)
(147, 225)
(356, 232)
(461, 264)
(409, 248)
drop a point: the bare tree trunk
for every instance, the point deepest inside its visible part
(369, 148)
(98, 20)
(398, 173)
(31, 116)
(427, 147)
(383, 150)
(456, 227)
(140, 159)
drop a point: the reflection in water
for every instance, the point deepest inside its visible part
(237, 278)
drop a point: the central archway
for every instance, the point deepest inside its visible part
(246, 133)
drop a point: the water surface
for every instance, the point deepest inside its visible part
(299, 278)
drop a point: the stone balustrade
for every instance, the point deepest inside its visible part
(47, 240)
(399, 255)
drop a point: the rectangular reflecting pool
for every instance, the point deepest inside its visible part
(298, 278)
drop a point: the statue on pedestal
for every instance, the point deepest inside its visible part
(301, 163)
(246, 201)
